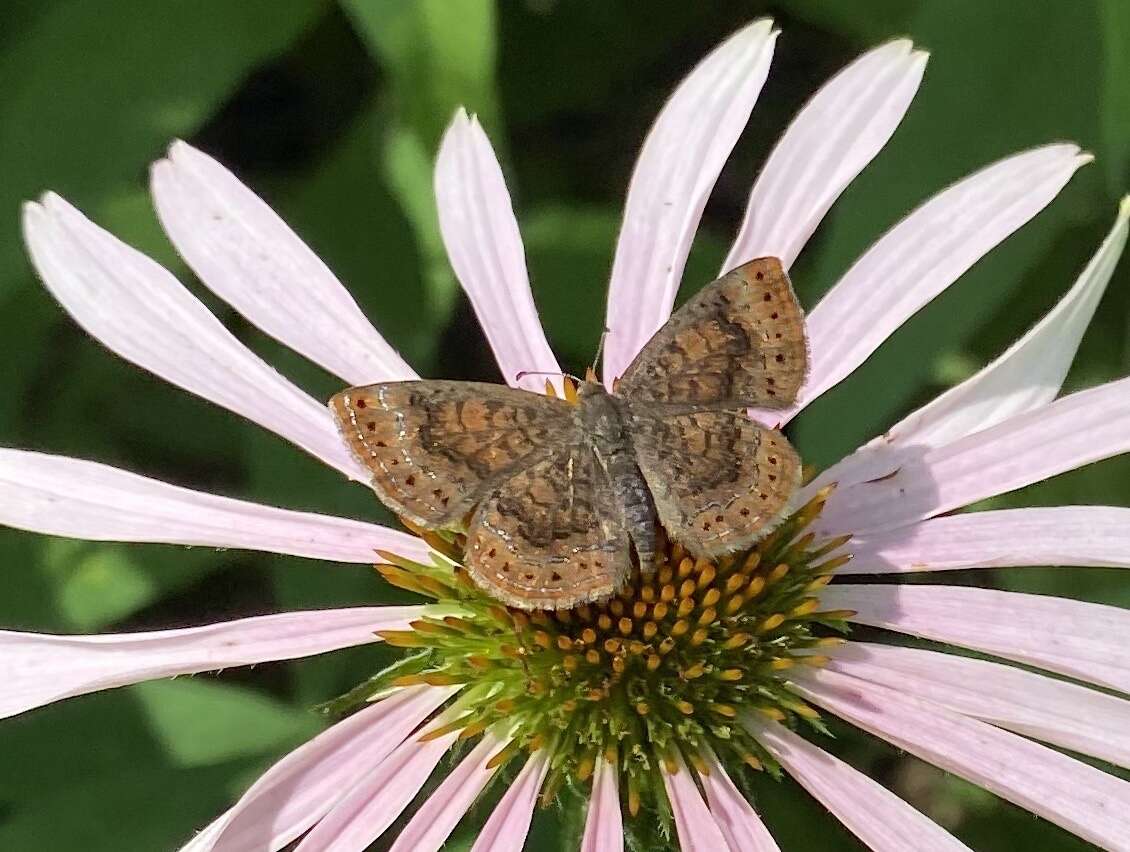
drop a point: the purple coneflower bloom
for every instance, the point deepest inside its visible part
(652, 701)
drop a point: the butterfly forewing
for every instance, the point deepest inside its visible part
(739, 341)
(719, 480)
(550, 536)
(436, 447)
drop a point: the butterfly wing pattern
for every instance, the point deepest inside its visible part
(719, 480)
(545, 530)
(552, 494)
(436, 447)
(550, 536)
(738, 342)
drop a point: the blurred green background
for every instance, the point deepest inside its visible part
(332, 111)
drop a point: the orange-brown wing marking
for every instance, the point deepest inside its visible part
(436, 447)
(719, 480)
(550, 536)
(739, 342)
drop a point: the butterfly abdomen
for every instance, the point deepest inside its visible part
(602, 421)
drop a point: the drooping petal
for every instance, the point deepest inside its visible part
(1073, 795)
(675, 172)
(922, 255)
(137, 309)
(82, 499)
(375, 801)
(250, 258)
(1073, 431)
(831, 140)
(1026, 377)
(868, 809)
(1097, 536)
(38, 668)
(604, 824)
(1080, 640)
(297, 791)
(485, 248)
(1054, 711)
(509, 823)
(437, 817)
(735, 817)
(697, 830)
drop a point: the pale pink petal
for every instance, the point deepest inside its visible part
(1073, 431)
(922, 255)
(1097, 536)
(831, 140)
(735, 817)
(1026, 377)
(1081, 640)
(1073, 795)
(38, 668)
(251, 259)
(869, 810)
(137, 309)
(484, 245)
(1054, 711)
(675, 172)
(433, 823)
(82, 499)
(509, 823)
(298, 790)
(604, 824)
(375, 801)
(698, 832)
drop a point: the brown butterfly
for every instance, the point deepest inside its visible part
(559, 492)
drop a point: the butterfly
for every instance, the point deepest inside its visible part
(554, 495)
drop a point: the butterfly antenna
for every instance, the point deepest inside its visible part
(521, 374)
(596, 357)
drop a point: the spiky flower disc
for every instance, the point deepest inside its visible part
(663, 670)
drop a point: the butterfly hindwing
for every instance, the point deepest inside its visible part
(738, 342)
(719, 480)
(550, 536)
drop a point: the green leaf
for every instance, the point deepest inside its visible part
(570, 254)
(97, 584)
(142, 806)
(1115, 15)
(866, 20)
(439, 54)
(108, 727)
(83, 126)
(389, 258)
(200, 722)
